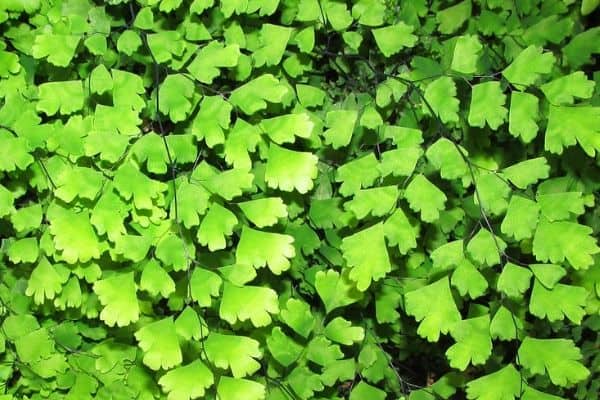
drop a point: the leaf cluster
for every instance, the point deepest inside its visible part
(299, 199)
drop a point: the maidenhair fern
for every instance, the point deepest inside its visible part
(299, 199)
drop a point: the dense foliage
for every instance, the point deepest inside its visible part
(299, 199)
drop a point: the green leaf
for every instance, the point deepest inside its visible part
(216, 226)
(309, 96)
(81, 182)
(304, 382)
(254, 303)
(487, 105)
(14, 153)
(548, 274)
(73, 235)
(204, 284)
(473, 342)
(6, 205)
(108, 215)
(129, 42)
(17, 325)
(274, 39)
(23, 250)
(321, 351)
(227, 184)
(493, 192)
(468, 280)
(466, 54)
(155, 280)
(505, 325)
(365, 391)
(527, 172)
(523, 115)
(558, 206)
(356, 174)
(59, 48)
(528, 66)
(504, 384)
(117, 294)
(160, 344)
(238, 274)
(297, 315)
(283, 348)
(373, 362)
(452, 18)
(131, 183)
(192, 202)
(400, 231)
(377, 201)
(564, 90)
(264, 212)
(34, 346)
(175, 94)
(580, 49)
(391, 39)
(559, 302)
(144, 18)
(228, 7)
(341, 331)
(96, 44)
(366, 267)
(100, 80)
(290, 170)
(46, 281)
(532, 394)
(387, 301)
(233, 389)
(63, 97)
(568, 126)
(253, 96)
(390, 90)
(264, 7)
(9, 64)
(336, 290)
(215, 55)
(284, 128)
(109, 145)
(514, 280)
(164, 45)
(486, 248)
(448, 255)
(237, 353)
(127, 90)
(258, 248)
(588, 6)
(338, 371)
(70, 296)
(169, 5)
(211, 121)
(521, 218)
(557, 241)
(446, 156)
(550, 29)
(340, 125)
(187, 382)
(440, 95)
(241, 140)
(26, 218)
(424, 197)
(559, 358)
(172, 250)
(434, 308)
(370, 118)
